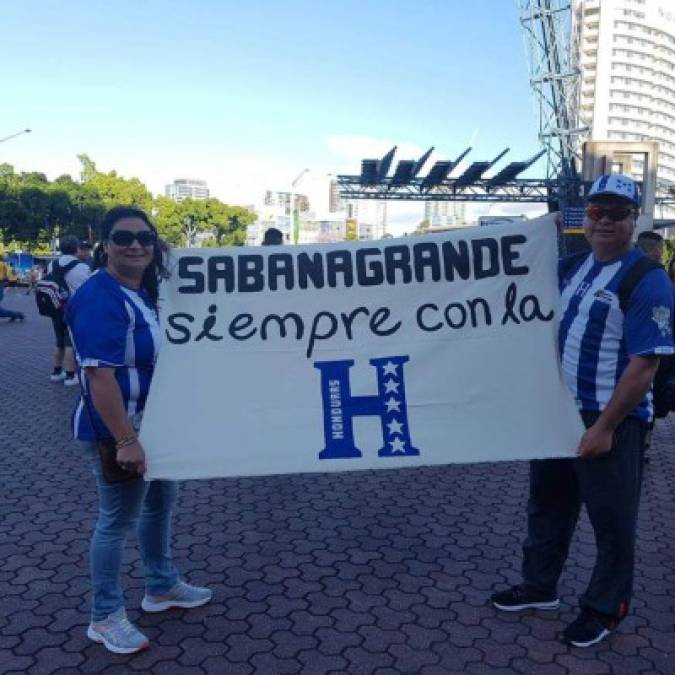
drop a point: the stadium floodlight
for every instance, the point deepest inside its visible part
(472, 174)
(421, 162)
(368, 172)
(408, 169)
(511, 171)
(374, 171)
(476, 170)
(404, 172)
(384, 164)
(440, 171)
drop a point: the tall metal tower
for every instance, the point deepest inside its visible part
(555, 79)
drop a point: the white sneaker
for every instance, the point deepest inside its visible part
(118, 634)
(71, 381)
(57, 377)
(181, 595)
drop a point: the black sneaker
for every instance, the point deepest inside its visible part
(588, 629)
(522, 597)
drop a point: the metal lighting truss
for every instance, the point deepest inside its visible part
(555, 81)
(405, 184)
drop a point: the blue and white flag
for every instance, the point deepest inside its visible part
(361, 355)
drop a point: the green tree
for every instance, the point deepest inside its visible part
(34, 211)
(112, 189)
(230, 224)
(86, 206)
(181, 223)
(423, 227)
(167, 218)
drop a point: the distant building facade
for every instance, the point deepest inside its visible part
(335, 202)
(445, 214)
(281, 201)
(182, 188)
(625, 50)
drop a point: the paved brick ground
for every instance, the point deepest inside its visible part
(374, 572)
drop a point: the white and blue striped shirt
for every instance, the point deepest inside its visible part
(113, 327)
(597, 340)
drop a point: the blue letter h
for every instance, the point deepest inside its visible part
(340, 408)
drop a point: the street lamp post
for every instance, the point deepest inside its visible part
(18, 133)
(291, 206)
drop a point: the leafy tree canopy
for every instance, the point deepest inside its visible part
(35, 211)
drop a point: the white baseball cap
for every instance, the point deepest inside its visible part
(616, 184)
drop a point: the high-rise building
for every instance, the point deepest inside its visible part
(182, 188)
(335, 202)
(625, 50)
(445, 214)
(282, 200)
(380, 224)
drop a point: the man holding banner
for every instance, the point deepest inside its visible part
(615, 322)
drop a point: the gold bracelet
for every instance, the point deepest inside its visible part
(127, 440)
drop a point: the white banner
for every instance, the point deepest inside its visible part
(361, 355)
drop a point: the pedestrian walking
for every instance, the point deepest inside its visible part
(70, 273)
(7, 313)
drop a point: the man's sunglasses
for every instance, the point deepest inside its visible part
(127, 238)
(614, 213)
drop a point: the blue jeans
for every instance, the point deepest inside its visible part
(120, 507)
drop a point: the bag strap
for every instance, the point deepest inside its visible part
(633, 277)
(60, 272)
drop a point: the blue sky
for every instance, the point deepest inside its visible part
(247, 94)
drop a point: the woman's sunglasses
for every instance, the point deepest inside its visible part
(614, 213)
(127, 237)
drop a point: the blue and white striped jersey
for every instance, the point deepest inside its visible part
(113, 327)
(596, 339)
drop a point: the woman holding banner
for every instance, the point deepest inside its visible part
(115, 332)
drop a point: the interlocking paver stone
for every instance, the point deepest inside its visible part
(383, 572)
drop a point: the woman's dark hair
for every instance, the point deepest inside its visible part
(156, 270)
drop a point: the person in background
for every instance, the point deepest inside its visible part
(273, 237)
(3, 277)
(12, 276)
(33, 277)
(84, 249)
(7, 313)
(609, 355)
(664, 395)
(76, 273)
(651, 244)
(114, 324)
